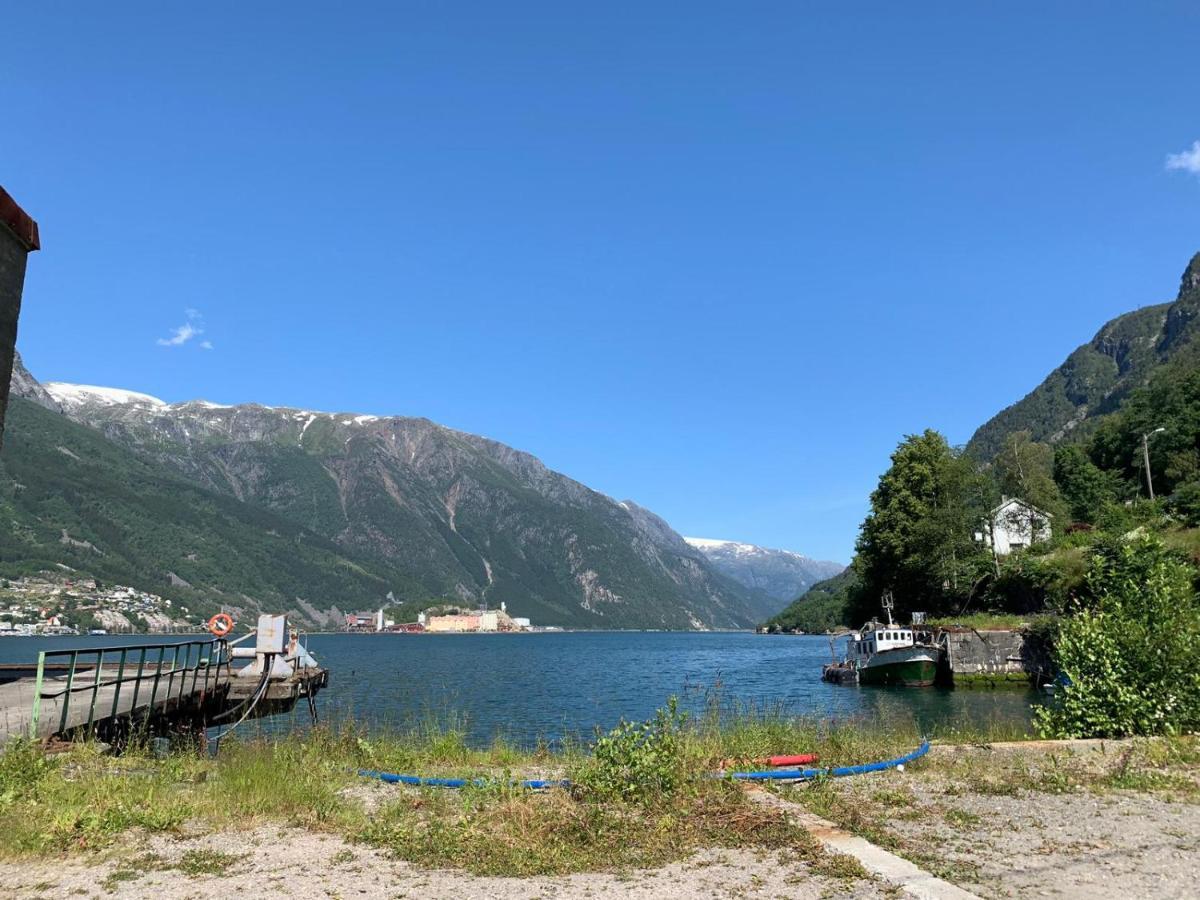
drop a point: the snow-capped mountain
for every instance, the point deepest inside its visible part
(780, 574)
(70, 396)
(433, 513)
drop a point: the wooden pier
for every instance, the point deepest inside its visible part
(109, 692)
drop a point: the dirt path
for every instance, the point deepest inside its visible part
(310, 866)
(1025, 821)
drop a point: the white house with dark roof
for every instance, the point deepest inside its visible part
(1015, 525)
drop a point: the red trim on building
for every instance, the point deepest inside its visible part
(19, 222)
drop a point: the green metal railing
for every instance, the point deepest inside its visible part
(159, 673)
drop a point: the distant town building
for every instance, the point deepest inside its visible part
(364, 621)
(457, 622)
(486, 620)
(1015, 525)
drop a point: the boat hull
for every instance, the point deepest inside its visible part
(914, 671)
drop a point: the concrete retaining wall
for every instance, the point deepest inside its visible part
(994, 657)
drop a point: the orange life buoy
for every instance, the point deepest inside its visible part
(221, 624)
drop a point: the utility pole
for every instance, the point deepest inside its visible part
(1146, 459)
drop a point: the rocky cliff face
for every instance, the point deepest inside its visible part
(780, 575)
(1098, 376)
(456, 514)
(25, 385)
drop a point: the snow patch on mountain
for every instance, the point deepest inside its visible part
(78, 394)
(780, 574)
(737, 547)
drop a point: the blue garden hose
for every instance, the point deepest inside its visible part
(420, 781)
(837, 772)
(770, 775)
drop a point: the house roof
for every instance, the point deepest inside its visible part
(18, 221)
(1017, 501)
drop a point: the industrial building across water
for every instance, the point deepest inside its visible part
(486, 621)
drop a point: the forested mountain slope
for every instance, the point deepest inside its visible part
(1096, 378)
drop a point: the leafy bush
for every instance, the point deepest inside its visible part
(1128, 651)
(638, 761)
(1186, 503)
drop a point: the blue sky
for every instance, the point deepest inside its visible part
(716, 258)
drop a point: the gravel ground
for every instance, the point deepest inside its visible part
(1077, 843)
(309, 866)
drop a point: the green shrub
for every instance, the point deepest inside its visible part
(1129, 650)
(1186, 503)
(638, 761)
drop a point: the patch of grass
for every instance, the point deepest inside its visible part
(555, 833)
(982, 621)
(961, 817)
(132, 870)
(195, 863)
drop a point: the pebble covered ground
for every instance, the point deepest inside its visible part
(310, 866)
(1025, 823)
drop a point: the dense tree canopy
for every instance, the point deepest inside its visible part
(1170, 402)
(918, 540)
(1085, 488)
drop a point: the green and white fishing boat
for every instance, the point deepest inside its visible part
(888, 654)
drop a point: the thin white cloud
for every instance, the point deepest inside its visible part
(193, 327)
(1187, 161)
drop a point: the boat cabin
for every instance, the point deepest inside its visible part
(873, 640)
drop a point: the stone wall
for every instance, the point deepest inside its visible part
(994, 656)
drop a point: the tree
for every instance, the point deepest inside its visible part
(1170, 402)
(1085, 488)
(1024, 468)
(917, 540)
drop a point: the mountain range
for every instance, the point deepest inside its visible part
(248, 506)
(780, 574)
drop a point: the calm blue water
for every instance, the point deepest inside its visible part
(551, 686)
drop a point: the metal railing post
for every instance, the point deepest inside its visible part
(95, 693)
(37, 696)
(62, 722)
(137, 683)
(120, 679)
(157, 676)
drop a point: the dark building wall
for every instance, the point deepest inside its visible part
(18, 236)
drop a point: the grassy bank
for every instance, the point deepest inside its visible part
(641, 795)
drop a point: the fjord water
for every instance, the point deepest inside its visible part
(552, 686)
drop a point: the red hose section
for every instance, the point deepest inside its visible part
(803, 759)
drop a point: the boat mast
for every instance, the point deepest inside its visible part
(888, 605)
